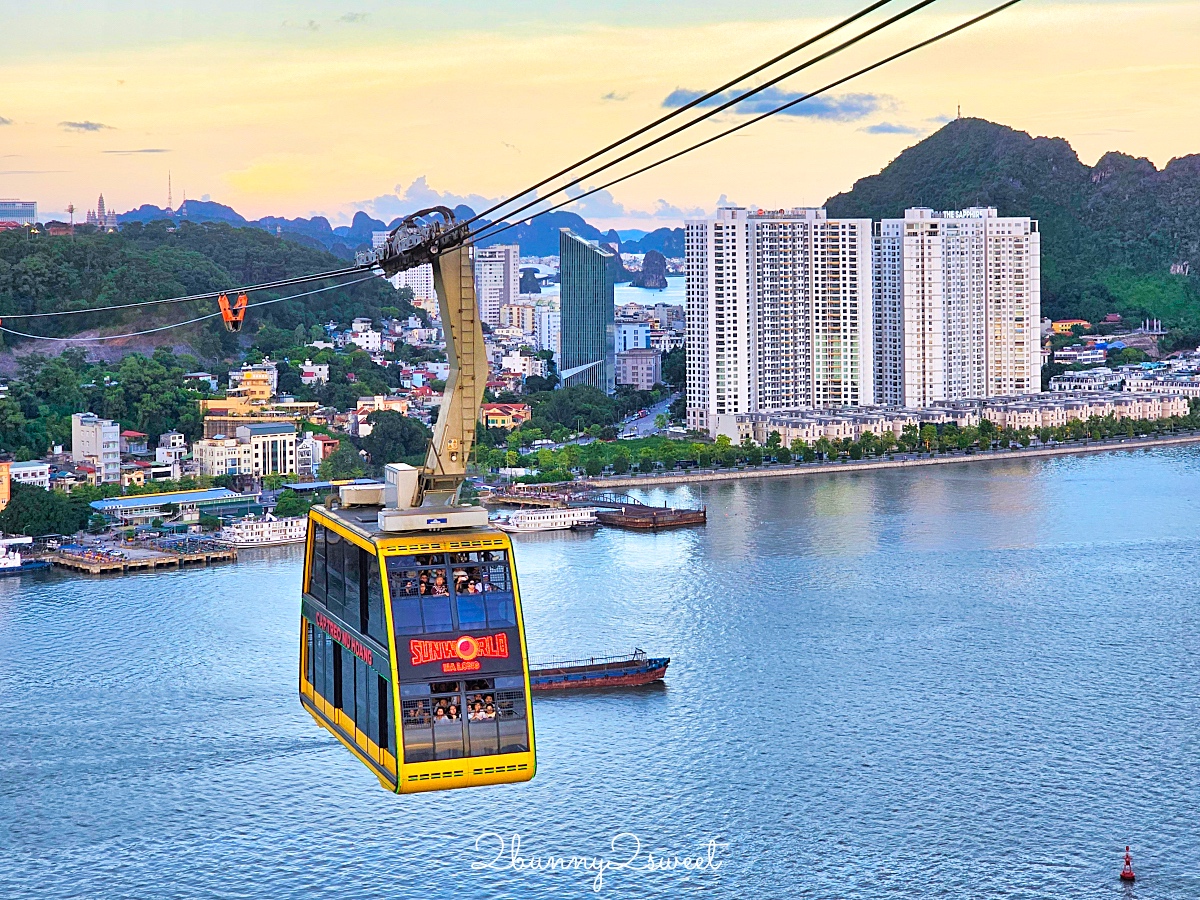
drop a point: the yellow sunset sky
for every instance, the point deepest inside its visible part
(307, 108)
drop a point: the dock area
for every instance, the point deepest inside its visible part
(617, 510)
(165, 554)
(535, 499)
(650, 518)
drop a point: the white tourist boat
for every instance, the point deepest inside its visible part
(265, 531)
(548, 520)
(11, 561)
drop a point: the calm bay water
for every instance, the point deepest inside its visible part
(973, 681)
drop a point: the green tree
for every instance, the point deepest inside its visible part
(34, 511)
(395, 437)
(272, 482)
(342, 463)
(593, 467)
(674, 368)
(291, 504)
(929, 436)
(646, 460)
(620, 463)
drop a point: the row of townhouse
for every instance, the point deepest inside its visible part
(1047, 410)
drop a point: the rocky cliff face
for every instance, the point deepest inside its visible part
(654, 271)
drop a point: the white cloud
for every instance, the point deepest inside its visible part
(419, 195)
(602, 205)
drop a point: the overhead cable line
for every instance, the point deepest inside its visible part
(833, 84)
(733, 101)
(266, 286)
(694, 102)
(114, 337)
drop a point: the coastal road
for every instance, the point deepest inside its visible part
(645, 425)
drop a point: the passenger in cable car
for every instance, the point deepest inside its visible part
(452, 715)
(439, 586)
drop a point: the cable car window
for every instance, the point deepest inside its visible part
(376, 624)
(510, 713)
(418, 730)
(308, 652)
(335, 581)
(385, 713)
(338, 676)
(351, 566)
(501, 611)
(446, 707)
(316, 578)
(318, 658)
(364, 680)
(482, 722)
(435, 611)
(471, 611)
(406, 615)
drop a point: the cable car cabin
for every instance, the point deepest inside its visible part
(413, 653)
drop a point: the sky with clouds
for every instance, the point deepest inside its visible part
(318, 107)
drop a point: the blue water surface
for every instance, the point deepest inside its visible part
(968, 681)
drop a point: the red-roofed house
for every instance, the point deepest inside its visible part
(505, 415)
(134, 443)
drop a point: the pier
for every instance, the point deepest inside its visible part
(543, 498)
(622, 511)
(165, 554)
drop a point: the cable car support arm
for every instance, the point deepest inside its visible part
(427, 498)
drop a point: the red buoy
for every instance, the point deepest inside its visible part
(1127, 872)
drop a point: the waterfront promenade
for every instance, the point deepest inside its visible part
(896, 461)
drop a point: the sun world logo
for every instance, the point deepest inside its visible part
(463, 652)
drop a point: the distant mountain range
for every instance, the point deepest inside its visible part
(1120, 236)
(536, 238)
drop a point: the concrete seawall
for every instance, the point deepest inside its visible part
(804, 469)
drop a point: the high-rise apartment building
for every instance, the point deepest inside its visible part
(586, 307)
(22, 212)
(779, 312)
(497, 279)
(548, 330)
(957, 306)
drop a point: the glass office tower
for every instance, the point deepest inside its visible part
(588, 332)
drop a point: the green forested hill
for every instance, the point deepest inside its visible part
(152, 261)
(1110, 233)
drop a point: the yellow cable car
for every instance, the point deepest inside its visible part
(425, 624)
(412, 650)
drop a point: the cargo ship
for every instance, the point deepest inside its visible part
(599, 672)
